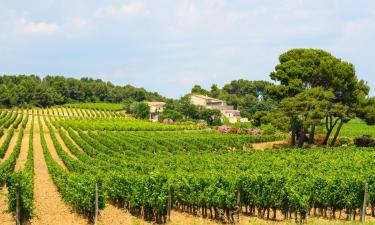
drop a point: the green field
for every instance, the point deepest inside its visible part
(98, 106)
(137, 164)
(357, 128)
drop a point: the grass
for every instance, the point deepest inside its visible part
(357, 128)
(354, 128)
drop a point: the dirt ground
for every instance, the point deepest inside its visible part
(64, 147)
(267, 145)
(112, 215)
(50, 145)
(5, 218)
(49, 207)
(21, 160)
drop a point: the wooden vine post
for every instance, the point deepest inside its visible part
(364, 206)
(96, 203)
(169, 206)
(18, 211)
(238, 204)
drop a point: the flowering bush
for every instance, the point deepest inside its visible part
(254, 131)
(168, 121)
(223, 129)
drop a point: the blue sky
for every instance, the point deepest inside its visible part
(169, 45)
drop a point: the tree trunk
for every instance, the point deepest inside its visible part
(329, 127)
(293, 141)
(325, 142)
(337, 133)
(312, 134)
(301, 138)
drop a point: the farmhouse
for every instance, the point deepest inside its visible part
(155, 109)
(228, 111)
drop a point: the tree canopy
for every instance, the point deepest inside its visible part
(32, 90)
(314, 85)
(245, 95)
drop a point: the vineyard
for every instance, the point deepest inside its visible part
(83, 162)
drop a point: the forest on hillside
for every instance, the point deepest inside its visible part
(32, 90)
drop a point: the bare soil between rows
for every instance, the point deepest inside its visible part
(49, 206)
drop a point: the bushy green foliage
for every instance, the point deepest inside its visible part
(204, 170)
(139, 110)
(366, 111)
(25, 181)
(57, 90)
(364, 141)
(78, 188)
(7, 166)
(211, 116)
(97, 106)
(126, 160)
(128, 124)
(171, 114)
(5, 144)
(314, 85)
(245, 95)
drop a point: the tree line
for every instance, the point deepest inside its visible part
(24, 90)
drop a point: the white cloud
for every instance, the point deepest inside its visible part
(130, 9)
(39, 28)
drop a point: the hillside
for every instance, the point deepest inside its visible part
(32, 90)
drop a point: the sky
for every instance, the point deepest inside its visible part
(170, 45)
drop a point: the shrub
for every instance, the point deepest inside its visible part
(223, 129)
(344, 141)
(364, 141)
(319, 139)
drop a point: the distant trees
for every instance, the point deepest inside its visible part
(31, 90)
(247, 96)
(197, 89)
(183, 109)
(211, 116)
(139, 109)
(314, 86)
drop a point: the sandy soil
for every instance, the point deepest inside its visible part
(62, 143)
(267, 145)
(22, 158)
(79, 112)
(5, 218)
(83, 112)
(70, 138)
(86, 113)
(66, 113)
(59, 112)
(49, 207)
(75, 112)
(112, 215)
(50, 145)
